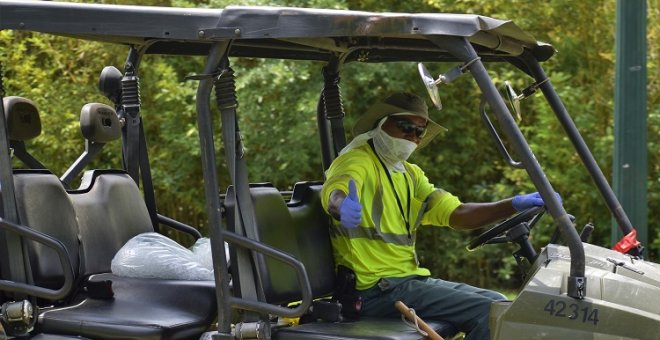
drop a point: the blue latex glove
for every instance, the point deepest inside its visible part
(350, 210)
(524, 202)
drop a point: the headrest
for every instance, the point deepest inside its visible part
(23, 122)
(99, 123)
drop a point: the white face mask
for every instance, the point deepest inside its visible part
(393, 151)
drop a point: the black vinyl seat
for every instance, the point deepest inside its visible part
(300, 227)
(140, 309)
(365, 328)
(43, 205)
(93, 223)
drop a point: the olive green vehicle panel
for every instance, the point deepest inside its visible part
(621, 302)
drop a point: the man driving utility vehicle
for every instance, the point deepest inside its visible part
(378, 200)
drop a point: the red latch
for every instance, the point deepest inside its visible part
(627, 242)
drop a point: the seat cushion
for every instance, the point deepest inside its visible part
(365, 328)
(141, 308)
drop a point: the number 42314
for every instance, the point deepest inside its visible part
(572, 311)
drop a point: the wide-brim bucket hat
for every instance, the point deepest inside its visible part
(398, 103)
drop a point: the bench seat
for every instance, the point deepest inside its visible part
(140, 309)
(365, 328)
(92, 224)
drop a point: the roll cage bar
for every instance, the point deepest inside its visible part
(333, 36)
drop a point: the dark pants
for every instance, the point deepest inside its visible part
(464, 306)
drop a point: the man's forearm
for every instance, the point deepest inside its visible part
(477, 215)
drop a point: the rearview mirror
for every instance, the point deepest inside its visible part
(446, 78)
(430, 84)
(514, 100)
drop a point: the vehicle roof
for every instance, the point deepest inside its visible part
(273, 32)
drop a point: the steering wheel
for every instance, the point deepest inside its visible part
(532, 214)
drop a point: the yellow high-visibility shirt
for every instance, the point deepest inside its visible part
(382, 246)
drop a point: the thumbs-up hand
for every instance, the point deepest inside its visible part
(350, 211)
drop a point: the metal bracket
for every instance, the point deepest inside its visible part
(219, 32)
(531, 89)
(455, 72)
(577, 287)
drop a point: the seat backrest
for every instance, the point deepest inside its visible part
(92, 223)
(110, 211)
(44, 205)
(311, 227)
(299, 228)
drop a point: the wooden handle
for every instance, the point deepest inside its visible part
(422, 325)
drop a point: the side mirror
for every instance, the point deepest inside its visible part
(514, 99)
(430, 84)
(110, 83)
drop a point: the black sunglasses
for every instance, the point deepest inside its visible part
(409, 127)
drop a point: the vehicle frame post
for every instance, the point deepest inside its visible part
(212, 196)
(462, 49)
(581, 147)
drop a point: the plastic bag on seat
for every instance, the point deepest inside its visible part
(202, 251)
(152, 255)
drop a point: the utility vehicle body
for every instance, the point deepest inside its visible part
(280, 249)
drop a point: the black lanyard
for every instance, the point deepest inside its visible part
(396, 195)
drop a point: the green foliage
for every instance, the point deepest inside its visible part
(278, 109)
(277, 113)
(56, 73)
